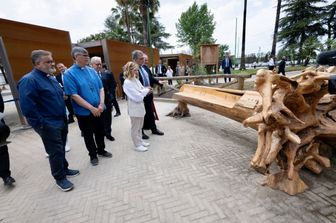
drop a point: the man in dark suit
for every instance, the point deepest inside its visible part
(107, 79)
(160, 69)
(226, 66)
(60, 78)
(113, 86)
(282, 66)
(146, 78)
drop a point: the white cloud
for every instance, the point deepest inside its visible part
(84, 17)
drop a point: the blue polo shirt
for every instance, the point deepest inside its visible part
(41, 100)
(85, 82)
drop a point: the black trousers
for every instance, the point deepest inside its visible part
(4, 162)
(149, 119)
(68, 104)
(227, 70)
(108, 119)
(93, 133)
(115, 103)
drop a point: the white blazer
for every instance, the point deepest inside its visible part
(135, 94)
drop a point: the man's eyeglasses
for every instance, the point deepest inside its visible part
(98, 64)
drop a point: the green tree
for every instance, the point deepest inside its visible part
(222, 49)
(195, 27)
(123, 24)
(330, 22)
(309, 49)
(302, 18)
(144, 6)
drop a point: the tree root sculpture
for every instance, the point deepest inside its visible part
(181, 110)
(292, 121)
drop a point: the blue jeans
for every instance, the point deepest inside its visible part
(54, 139)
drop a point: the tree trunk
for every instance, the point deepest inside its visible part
(143, 11)
(276, 28)
(242, 59)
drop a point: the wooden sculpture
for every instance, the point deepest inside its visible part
(293, 119)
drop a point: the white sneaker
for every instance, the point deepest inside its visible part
(141, 149)
(145, 143)
(67, 148)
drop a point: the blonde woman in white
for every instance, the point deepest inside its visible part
(136, 109)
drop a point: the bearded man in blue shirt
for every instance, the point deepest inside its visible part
(42, 103)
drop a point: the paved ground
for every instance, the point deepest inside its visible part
(197, 172)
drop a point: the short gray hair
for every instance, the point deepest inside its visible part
(136, 54)
(95, 59)
(78, 50)
(37, 54)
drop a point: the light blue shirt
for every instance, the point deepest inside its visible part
(85, 82)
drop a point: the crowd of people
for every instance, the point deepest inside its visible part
(85, 91)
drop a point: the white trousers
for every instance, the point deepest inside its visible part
(136, 127)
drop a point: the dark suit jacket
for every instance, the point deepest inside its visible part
(109, 85)
(163, 69)
(59, 79)
(223, 63)
(152, 80)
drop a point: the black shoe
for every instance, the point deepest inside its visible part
(105, 154)
(8, 181)
(117, 114)
(157, 132)
(144, 136)
(111, 138)
(94, 161)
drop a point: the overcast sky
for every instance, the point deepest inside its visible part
(83, 17)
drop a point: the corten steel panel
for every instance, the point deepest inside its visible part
(183, 58)
(120, 53)
(21, 38)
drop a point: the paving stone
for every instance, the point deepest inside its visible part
(197, 172)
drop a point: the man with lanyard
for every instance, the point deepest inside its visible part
(87, 94)
(146, 78)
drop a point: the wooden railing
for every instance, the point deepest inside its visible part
(240, 77)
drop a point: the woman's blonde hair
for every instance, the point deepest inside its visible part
(128, 68)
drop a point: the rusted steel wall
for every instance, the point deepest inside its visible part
(21, 38)
(119, 53)
(184, 59)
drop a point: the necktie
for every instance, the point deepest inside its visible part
(144, 77)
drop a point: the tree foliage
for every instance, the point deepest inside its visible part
(302, 19)
(330, 23)
(126, 23)
(195, 27)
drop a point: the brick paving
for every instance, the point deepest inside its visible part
(197, 172)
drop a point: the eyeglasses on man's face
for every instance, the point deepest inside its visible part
(49, 62)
